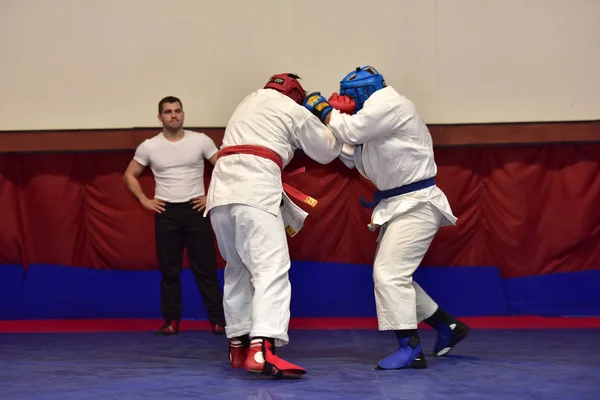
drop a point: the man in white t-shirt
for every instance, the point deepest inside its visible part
(176, 157)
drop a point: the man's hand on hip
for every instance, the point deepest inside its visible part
(153, 205)
(199, 203)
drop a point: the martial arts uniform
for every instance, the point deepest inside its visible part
(248, 206)
(389, 144)
(394, 149)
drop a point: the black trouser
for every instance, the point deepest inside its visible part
(177, 227)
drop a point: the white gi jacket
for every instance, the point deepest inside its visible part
(392, 148)
(270, 119)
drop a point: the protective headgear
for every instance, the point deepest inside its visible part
(361, 83)
(287, 84)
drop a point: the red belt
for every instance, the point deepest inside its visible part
(269, 154)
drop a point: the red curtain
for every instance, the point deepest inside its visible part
(526, 209)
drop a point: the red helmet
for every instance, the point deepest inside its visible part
(287, 84)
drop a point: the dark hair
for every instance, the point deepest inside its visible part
(168, 99)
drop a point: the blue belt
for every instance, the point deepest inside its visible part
(386, 194)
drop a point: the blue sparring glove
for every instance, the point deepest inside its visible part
(318, 105)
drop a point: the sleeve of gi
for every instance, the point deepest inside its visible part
(374, 121)
(347, 156)
(317, 140)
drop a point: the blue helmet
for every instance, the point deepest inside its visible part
(361, 83)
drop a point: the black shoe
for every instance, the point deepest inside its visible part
(448, 337)
(217, 329)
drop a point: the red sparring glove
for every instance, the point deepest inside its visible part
(344, 104)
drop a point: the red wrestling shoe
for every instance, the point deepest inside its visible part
(261, 360)
(238, 351)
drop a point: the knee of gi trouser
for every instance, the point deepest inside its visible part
(385, 274)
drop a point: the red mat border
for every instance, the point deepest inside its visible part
(134, 325)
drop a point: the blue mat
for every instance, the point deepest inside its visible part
(489, 365)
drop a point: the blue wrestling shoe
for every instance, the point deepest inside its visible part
(409, 355)
(448, 337)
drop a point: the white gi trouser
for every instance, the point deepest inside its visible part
(401, 303)
(257, 289)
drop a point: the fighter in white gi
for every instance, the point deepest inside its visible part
(389, 144)
(250, 214)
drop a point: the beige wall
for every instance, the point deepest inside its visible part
(83, 64)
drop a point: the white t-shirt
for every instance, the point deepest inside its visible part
(178, 167)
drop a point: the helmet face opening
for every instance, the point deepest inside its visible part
(361, 83)
(289, 85)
